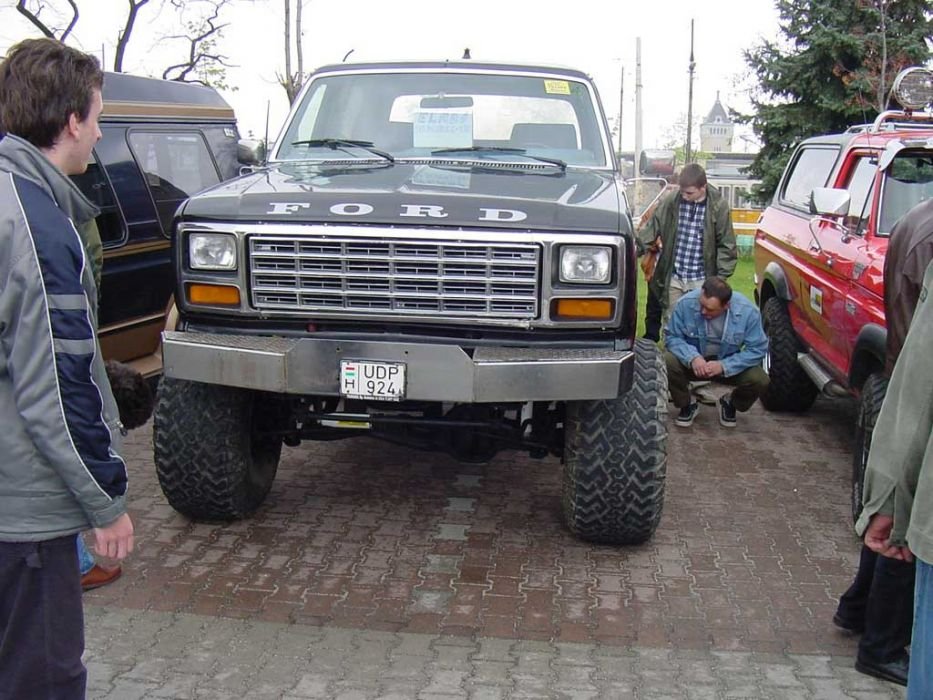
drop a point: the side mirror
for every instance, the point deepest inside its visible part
(644, 194)
(250, 151)
(828, 201)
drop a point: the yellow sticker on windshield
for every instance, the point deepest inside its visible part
(557, 87)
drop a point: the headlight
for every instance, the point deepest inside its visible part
(585, 264)
(211, 251)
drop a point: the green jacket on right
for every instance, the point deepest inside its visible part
(719, 250)
(899, 474)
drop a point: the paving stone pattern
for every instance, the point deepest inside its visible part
(377, 571)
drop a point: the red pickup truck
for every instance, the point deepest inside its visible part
(819, 257)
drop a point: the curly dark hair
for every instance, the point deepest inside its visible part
(42, 83)
(132, 392)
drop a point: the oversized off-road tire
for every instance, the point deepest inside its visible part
(214, 456)
(615, 458)
(873, 391)
(790, 388)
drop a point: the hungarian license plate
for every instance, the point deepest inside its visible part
(380, 381)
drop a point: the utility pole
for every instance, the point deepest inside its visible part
(621, 102)
(692, 66)
(637, 106)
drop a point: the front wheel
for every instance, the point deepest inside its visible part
(873, 391)
(790, 388)
(216, 451)
(615, 458)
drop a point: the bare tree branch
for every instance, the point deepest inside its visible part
(301, 69)
(124, 36)
(286, 83)
(38, 23)
(74, 20)
(202, 58)
(290, 81)
(185, 69)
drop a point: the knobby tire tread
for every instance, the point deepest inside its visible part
(873, 392)
(615, 458)
(790, 388)
(208, 462)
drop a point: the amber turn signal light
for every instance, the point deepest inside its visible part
(213, 294)
(584, 309)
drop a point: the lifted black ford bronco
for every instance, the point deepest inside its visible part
(436, 254)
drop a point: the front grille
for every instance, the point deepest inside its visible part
(405, 277)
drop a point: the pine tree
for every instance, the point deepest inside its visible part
(825, 73)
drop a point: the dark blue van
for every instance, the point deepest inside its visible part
(162, 142)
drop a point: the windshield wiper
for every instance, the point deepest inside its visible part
(343, 144)
(468, 149)
(501, 149)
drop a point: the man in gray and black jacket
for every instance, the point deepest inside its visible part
(61, 471)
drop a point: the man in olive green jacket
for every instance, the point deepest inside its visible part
(897, 517)
(693, 228)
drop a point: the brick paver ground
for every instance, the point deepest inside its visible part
(388, 550)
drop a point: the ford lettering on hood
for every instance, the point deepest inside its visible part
(405, 193)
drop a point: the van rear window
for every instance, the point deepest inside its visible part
(175, 165)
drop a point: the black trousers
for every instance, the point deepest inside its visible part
(653, 312)
(882, 596)
(41, 621)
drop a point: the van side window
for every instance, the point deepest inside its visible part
(94, 185)
(175, 165)
(811, 169)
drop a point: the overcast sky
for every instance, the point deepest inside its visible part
(597, 36)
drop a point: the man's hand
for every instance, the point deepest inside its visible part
(878, 535)
(115, 540)
(714, 369)
(698, 365)
(706, 369)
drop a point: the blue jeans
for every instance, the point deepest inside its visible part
(85, 558)
(920, 679)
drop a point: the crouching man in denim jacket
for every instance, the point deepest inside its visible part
(715, 334)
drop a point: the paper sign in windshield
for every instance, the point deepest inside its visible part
(443, 129)
(557, 87)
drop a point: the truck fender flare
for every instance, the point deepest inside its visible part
(773, 276)
(869, 353)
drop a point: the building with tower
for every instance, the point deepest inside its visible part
(717, 130)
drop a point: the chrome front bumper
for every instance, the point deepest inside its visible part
(447, 373)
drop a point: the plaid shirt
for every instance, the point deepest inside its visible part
(688, 253)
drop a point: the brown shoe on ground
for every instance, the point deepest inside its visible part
(99, 576)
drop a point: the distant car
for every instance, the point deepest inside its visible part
(819, 257)
(162, 141)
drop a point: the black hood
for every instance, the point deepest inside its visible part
(415, 194)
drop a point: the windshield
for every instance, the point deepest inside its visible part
(909, 181)
(452, 116)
